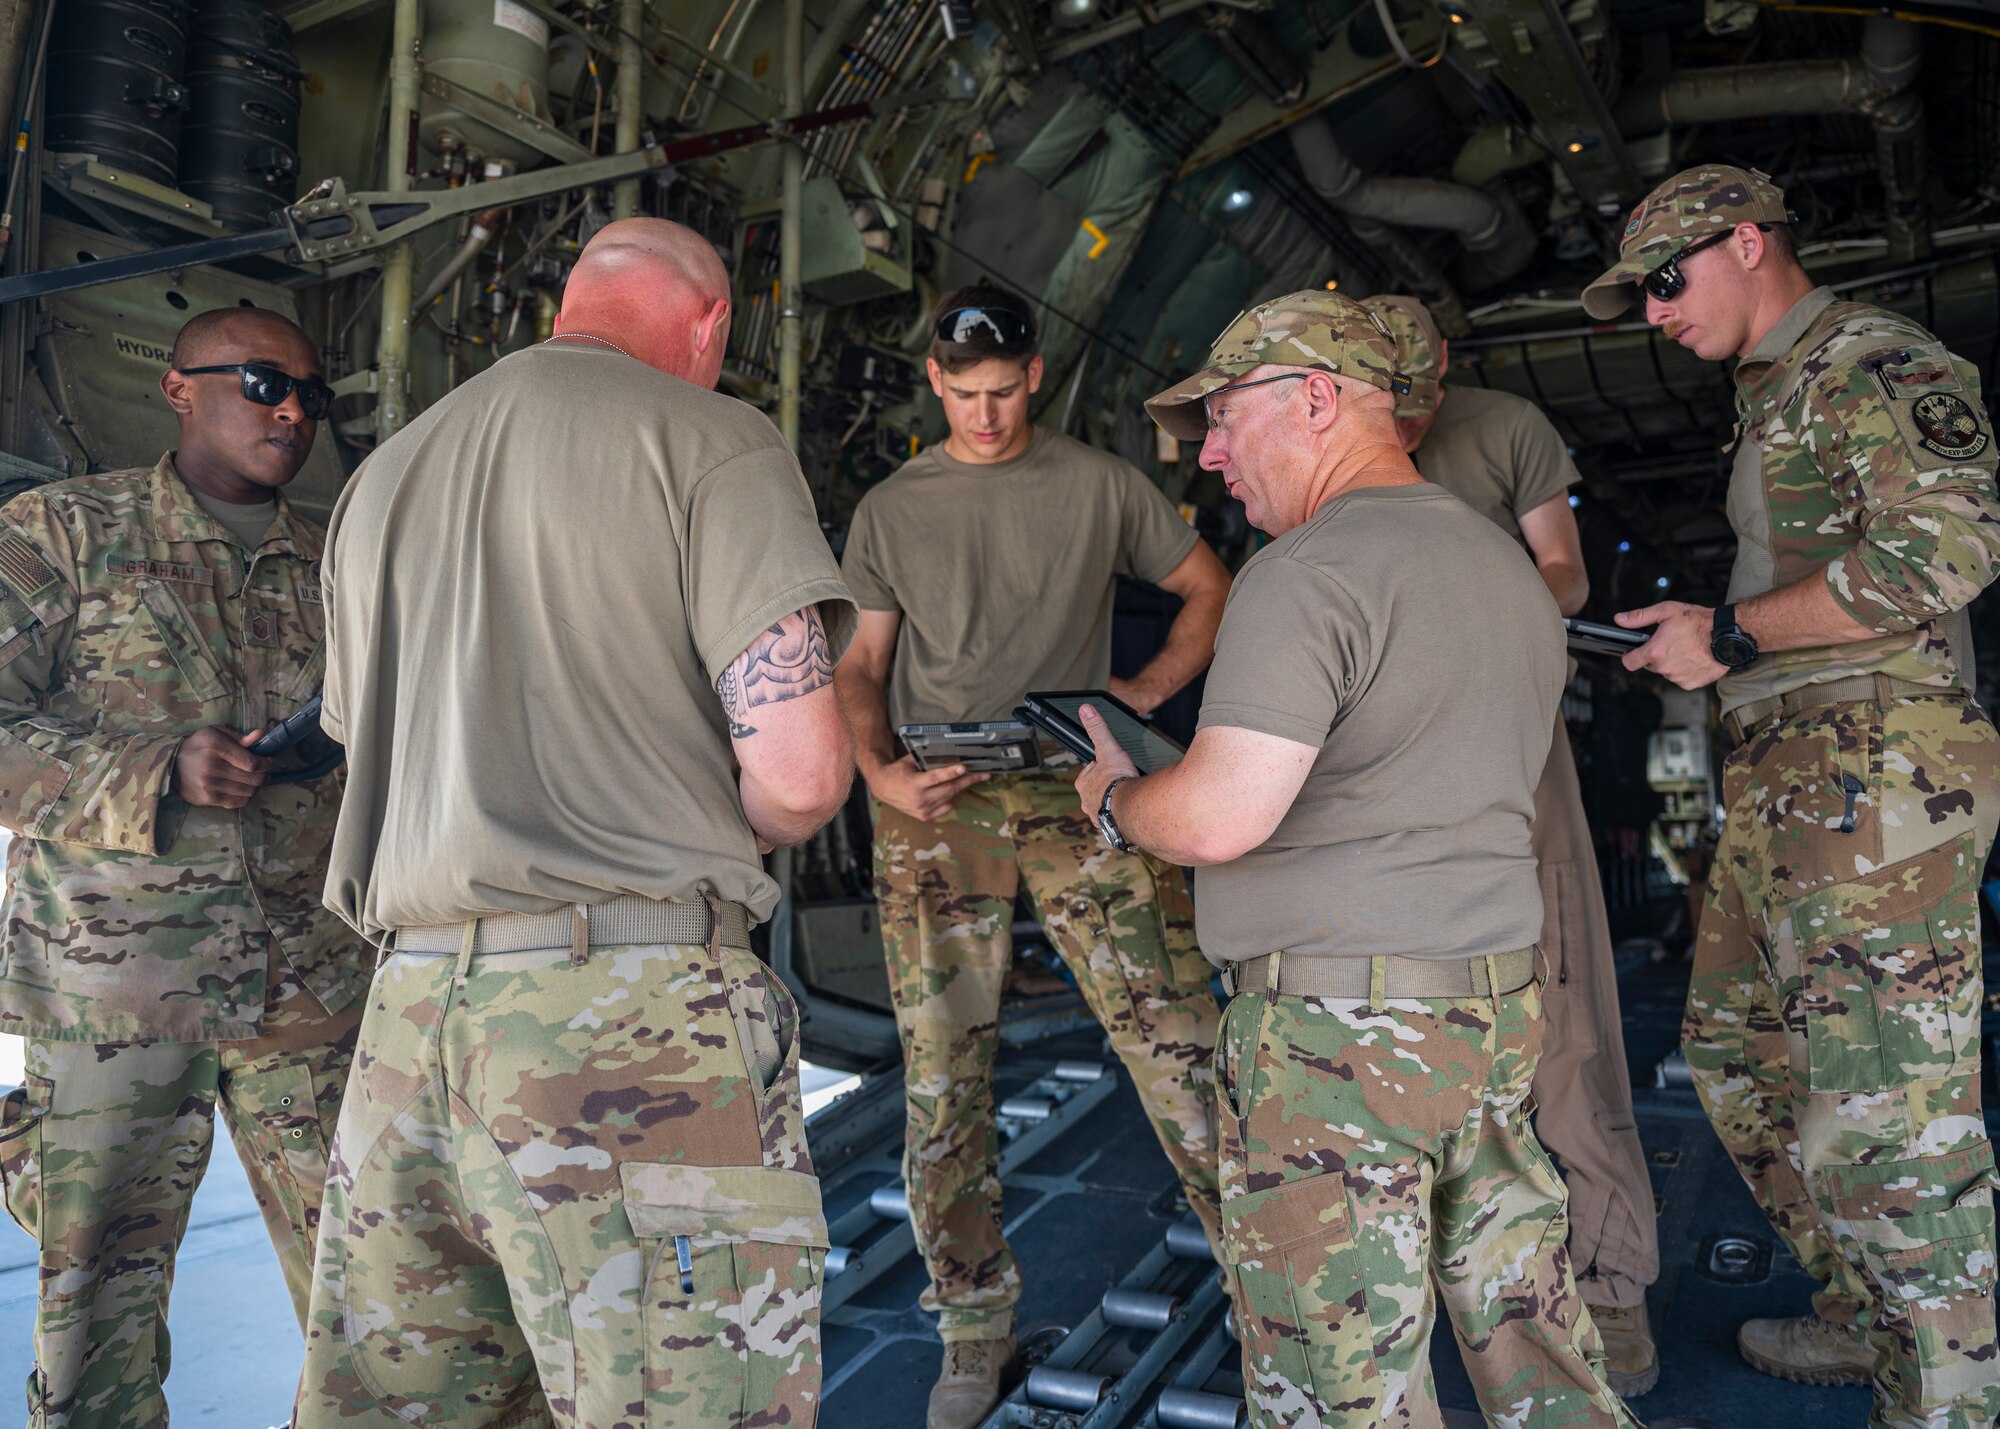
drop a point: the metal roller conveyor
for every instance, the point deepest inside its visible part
(1138, 1309)
(1028, 1108)
(890, 1201)
(1197, 1409)
(1075, 1391)
(836, 1260)
(1079, 1071)
(1185, 1239)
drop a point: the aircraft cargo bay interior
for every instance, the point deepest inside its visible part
(1037, 714)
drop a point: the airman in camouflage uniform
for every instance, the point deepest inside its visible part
(1833, 1019)
(1367, 880)
(165, 951)
(972, 598)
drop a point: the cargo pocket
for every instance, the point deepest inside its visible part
(732, 1292)
(21, 1114)
(1886, 974)
(1924, 1232)
(1301, 1307)
(767, 1030)
(287, 1112)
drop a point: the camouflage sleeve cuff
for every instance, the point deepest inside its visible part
(112, 797)
(1917, 562)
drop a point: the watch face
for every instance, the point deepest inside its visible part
(1734, 649)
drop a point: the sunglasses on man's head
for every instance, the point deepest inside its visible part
(995, 325)
(269, 386)
(1667, 281)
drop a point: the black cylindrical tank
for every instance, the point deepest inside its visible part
(240, 143)
(114, 83)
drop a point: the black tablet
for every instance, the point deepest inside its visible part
(1001, 746)
(1055, 713)
(1598, 639)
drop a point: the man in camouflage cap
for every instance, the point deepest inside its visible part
(165, 950)
(1502, 456)
(1833, 1019)
(1366, 881)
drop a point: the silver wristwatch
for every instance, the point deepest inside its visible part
(1107, 825)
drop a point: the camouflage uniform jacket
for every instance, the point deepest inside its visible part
(1863, 448)
(128, 620)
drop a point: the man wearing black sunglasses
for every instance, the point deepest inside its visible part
(1832, 1021)
(166, 952)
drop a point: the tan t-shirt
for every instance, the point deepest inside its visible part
(1403, 636)
(248, 523)
(1497, 453)
(1004, 573)
(530, 593)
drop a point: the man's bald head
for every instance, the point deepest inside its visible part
(656, 289)
(206, 334)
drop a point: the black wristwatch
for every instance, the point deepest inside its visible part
(1730, 643)
(1107, 825)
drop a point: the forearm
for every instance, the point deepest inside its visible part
(67, 786)
(1567, 583)
(1158, 813)
(864, 704)
(1189, 648)
(1799, 616)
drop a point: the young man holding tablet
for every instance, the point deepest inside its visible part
(985, 568)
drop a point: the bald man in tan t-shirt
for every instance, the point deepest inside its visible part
(581, 632)
(1500, 455)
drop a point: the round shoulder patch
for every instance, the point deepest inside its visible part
(1947, 425)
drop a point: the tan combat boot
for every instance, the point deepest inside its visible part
(969, 1385)
(1807, 1350)
(1631, 1364)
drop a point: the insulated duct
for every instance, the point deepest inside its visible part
(1880, 84)
(1498, 242)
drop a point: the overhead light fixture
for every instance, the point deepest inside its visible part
(1238, 200)
(1332, 283)
(1576, 146)
(1574, 502)
(1624, 547)
(1071, 13)
(1662, 582)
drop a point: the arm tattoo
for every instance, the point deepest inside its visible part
(788, 660)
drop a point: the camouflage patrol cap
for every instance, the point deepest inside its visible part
(1419, 349)
(1309, 329)
(1682, 211)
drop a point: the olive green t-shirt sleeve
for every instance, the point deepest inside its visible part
(754, 554)
(1542, 466)
(1155, 538)
(1289, 654)
(861, 563)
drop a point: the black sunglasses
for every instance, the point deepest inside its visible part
(995, 325)
(269, 386)
(1667, 281)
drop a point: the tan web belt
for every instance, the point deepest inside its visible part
(622, 920)
(1378, 979)
(1746, 720)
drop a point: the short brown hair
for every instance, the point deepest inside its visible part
(957, 356)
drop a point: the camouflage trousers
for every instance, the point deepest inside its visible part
(1373, 1161)
(570, 1193)
(1832, 1029)
(101, 1150)
(1123, 924)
